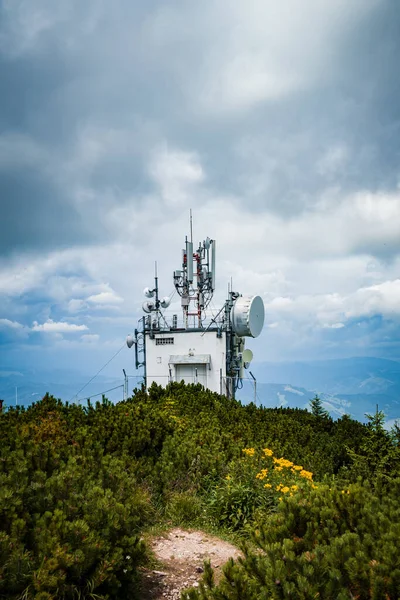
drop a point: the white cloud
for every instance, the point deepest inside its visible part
(51, 326)
(76, 305)
(105, 298)
(20, 276)
(382, 299)
(176, 173)
(247, 52)
(10, 324)
(90, 338)
(332, 311)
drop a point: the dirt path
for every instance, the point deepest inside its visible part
(182, 554)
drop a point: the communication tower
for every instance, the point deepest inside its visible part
(199, 347)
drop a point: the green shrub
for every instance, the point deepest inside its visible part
(71, 532)
(185, 508)
(332, 544)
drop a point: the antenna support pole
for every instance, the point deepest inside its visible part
(255, 387)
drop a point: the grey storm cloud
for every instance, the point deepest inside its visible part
(35, 215)
(119, 68)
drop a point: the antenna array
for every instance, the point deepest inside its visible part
(195, 281)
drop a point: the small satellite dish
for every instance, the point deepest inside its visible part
(148, 292)
(247, 357)
(148, 306)
(130, 341)
(165, 302)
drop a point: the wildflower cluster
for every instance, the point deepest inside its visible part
(306, 474)
(285, 489)
(262, 474)
(279, 476)
(254, 484)
(249, 451)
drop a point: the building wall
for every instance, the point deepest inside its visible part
(184, 343)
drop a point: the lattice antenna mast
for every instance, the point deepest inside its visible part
(195, 282)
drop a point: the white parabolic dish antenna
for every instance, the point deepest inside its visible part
(148, 306)
(248, 316)
(247, 356)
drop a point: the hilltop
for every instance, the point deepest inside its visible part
(312, 501)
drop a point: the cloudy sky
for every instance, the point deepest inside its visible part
(277, 123)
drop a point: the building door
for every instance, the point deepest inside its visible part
(191, 374)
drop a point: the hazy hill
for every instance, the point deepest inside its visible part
(353, 386)
(339, 376)
(31, 385)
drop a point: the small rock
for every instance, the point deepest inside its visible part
(196, 584)
(199, 570)
(160, 573)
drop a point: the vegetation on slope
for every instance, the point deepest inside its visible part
(79, 485)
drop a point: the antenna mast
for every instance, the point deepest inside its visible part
(199, 265)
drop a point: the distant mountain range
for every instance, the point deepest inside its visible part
(353, 386)
(30, 386)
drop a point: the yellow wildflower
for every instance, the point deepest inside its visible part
(267, 485)
(285, 489)
(262, 474)
(297, 467)
(267, 452)
(249, 451)
(282, 462)
(306, 474)
(228, 477)
(295, 488)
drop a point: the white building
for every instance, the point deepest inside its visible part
(196, 348)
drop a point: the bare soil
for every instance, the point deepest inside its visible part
(181, 555)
